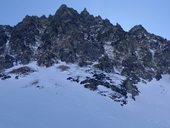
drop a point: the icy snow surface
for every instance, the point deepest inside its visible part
(109, 50)
(59, 103)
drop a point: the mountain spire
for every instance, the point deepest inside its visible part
(84, 12)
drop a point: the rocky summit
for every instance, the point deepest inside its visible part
(86, 40)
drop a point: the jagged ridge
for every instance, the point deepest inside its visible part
(83, 39)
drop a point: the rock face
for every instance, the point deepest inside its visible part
(83, 39)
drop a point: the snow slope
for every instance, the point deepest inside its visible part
(45, 99)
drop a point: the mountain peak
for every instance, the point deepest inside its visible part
(138, 28)
(85, 12)
(64, 10)
(63, 6)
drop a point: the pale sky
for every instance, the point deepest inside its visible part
(154, 15)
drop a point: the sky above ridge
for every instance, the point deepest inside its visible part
(152, 14)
